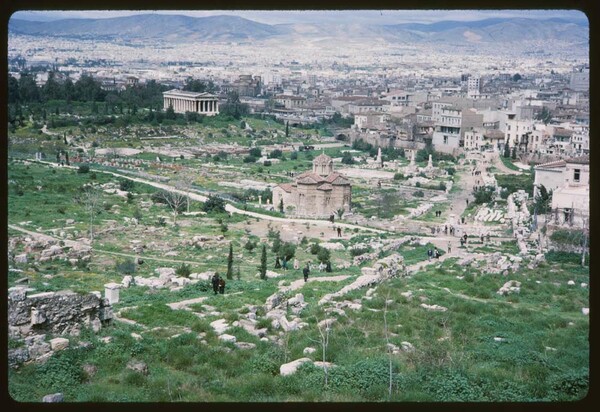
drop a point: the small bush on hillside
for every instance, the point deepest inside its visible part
(85, 168)
(183, 270)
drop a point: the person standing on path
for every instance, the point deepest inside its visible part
(429, 254)
(449, 247)
(215, 282)
(222, 286)
(296, 264)
(306, 271)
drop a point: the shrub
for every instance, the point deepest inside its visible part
(294, 155)
(276, 154)
(255, 152)
(267, 163)
(183, 270)
(126, 185)
(398, 176)
(84, 168)
(249, 246)
(126, 267)
(250, 159)
(451, 171)
(418, 193)
(359, 251)
(442, 186)
(214, 204)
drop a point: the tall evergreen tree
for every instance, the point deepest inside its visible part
(263, 262)
(507, 150)
(287, 129)
(230, 262)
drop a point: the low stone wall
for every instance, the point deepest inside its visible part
(56, 313)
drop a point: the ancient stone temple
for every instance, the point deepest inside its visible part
(316, 193)
(183, 101)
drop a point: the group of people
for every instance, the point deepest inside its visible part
(438, 213)
(218, 284)
(435, 253)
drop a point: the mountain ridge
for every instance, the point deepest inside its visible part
(227, 28)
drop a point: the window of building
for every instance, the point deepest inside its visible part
(576, 175)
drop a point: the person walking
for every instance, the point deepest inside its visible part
(215, 282)
(429, 254)
(321, 267)
(222, 286)
(436, 253)
(284, 263)
(306, 272)
(296, 264)
(449, 247)
(339, 231)
(277, 263)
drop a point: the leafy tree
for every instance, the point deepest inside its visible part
(256, 152)
(483, 195)
(516, 77)
(126, 185)
(543, 200)
(234, 107)
(28, 90)
(323, 255)
(276, 154)
(545, 115)
(170, 113)
(263, 263)
(294, 155)
(214, 204)
(13, 90)
(84, 168)
(249, 159)
(230, 262)
(347, 158)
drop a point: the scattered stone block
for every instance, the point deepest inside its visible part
(245, 345)
(55, 397)
(138, 366)
(291, 367)
(59, 344)
(436, 308)
(227, 338)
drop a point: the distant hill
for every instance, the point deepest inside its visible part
(179, 28)
(151, 26)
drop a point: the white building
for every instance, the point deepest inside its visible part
(569, 181)
(474, 87)
(184, 101)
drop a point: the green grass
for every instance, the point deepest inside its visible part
(455, 356)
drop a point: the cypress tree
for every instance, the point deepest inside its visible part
(230, 262)
(507, 150)
(263, 263)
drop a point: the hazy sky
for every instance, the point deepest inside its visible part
(356, 16)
